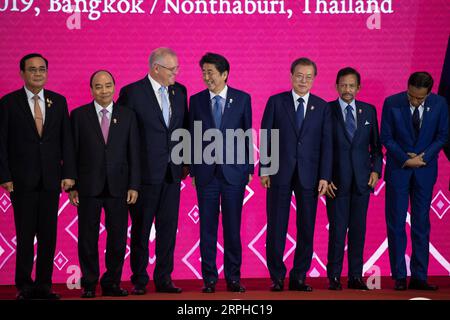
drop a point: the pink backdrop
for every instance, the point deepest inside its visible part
(260, 49)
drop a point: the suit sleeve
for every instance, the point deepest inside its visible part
(386, 136)
(376, 152)
(68, 154)
(76, 138)
(267, 123)
(326, 145)
(134, 155)
(249, 143)
(123, 98)
(5, 175)
(186, 124)
(442, 133)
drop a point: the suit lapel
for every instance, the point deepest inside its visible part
(24, 105)
(115, 120)
(228, 108)
(407, 117)
(290, 110)
(427, 109)
(153, 100)
(94, 122)
(340, 118)
(361, 117)
(173, 110)
(206, 103)
(49, 112)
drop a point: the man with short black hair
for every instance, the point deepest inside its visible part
(414, 128)
(36, 161)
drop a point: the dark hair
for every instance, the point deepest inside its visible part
(348, 71)
(93, 75)
(303, 62)
(29, 56)
(220, 62)
(421, 80)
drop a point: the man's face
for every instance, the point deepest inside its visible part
(35, 74)
(166, 70)
(214, 80)
(302, 79)
(103, 89)
(416, 96)
(348, 87)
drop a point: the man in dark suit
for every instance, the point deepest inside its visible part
(414, 128)
(220, 183)
(107, 153)
(160, 105)
(303, 122)
(36, 162)
(357, 163)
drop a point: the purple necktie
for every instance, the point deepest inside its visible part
(105, 124)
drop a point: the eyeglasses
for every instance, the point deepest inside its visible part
(172, 69)
(301, 77)
(37, 70)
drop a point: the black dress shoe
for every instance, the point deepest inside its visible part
(168, 287)
(335, 284)
(357, 283)
(299, 285)
(88, 294)
(400, 285)
(210, 287)
(24, 295)
(235, 286)
(139, 290)
(114, 291)
(277, 285)
(46, 295)
(415, 284)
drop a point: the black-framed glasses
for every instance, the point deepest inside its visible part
(172, 69)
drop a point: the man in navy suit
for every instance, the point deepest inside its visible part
(107, 152)
(221, 183)
(414, 128)
(303, 121)
(36, 161)
(160, 105)
(357, 163)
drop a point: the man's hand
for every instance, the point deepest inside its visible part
(415, 162)
(8, 186)
(323, 187)
(73, 197)
(132, 196)
(373, 179)
(185, 172)
(411, 155)
(250, 178)
(66, 184)
(265, 181)
(330, 190)
(193, 181)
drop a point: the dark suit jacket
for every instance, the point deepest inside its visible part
(357, 157)
(26, 158)
(310, 149)
(237, 114)
(155, 137)
(397, 135)
(116, 162)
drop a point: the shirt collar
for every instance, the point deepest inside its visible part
(296, 96)
(344, 104)
(30, 94)
(155, 84)
(421, 107)
(99, 108)
(222, 94)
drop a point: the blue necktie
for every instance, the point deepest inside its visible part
(350, 123)
(165, 105)
(217, 111)
(300, 114)
(416, 121)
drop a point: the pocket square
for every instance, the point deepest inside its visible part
(367, 123)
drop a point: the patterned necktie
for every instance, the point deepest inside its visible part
(38, 118)
(165, 105)
(416, 121)
(300, 113)
(105, 124)
(350, 123)
(217, 111)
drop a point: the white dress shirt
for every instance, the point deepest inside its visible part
(344, 105)
(41, 102)
(99, 108)
(156, 85)
(222, 94)
(296, 103)
(421, 109)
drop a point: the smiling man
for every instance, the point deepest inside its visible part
(107, 152)
(36, 162)
(221, 185)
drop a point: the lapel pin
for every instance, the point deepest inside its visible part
(428, 109)
(114, 120)
(49, 103)
(359, 111)
(312, 108)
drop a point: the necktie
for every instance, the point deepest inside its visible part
(300, 114)
(217, 111)
(38, 118)
(165, 105)
(105, 124)
(416, 121)
(350, 123)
